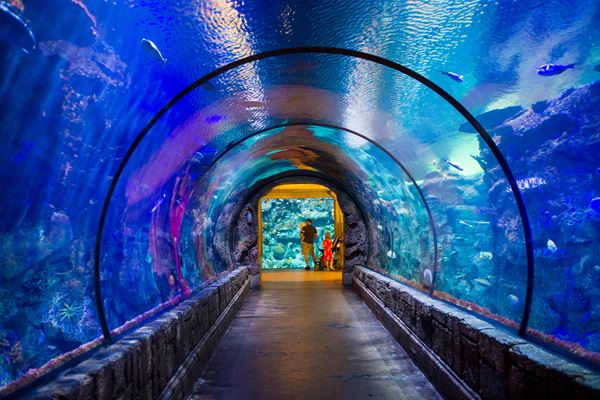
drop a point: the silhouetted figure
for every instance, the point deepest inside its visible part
(308, 235)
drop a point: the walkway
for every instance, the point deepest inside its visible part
(302, 336)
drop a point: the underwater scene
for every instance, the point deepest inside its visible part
(120, 191)
(281, 222)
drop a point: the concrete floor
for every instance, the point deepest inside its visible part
(303, 336)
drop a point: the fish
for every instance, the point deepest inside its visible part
(391, 254)
(553, 69)
(551, 246)
(152, 50)
(465, 223)
(15, 29)
(492, 119)
(513, 300)
(158, 203)
(454, 76)
(483, 281)
(458, 167)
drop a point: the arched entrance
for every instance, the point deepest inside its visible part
(281, 212)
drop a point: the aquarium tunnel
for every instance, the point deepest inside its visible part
(151, 148)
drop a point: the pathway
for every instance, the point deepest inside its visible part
(302, 336)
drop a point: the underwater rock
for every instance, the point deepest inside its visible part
(595, 204)
(278, 251)
(492, 119)
(540, 106)
(427, 277)
(12, 266)
(104, 66)
(443, 187)
(60, 229)
(551, 148)
(594, 342)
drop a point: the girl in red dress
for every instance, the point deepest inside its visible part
(328, 251)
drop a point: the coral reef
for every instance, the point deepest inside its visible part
(553, 149)
(281, 229)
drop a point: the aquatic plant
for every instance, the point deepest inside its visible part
(65, 314)
(69, 312)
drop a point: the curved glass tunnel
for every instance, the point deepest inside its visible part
(74, 103)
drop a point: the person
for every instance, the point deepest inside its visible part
(308, 235)
(328, 251)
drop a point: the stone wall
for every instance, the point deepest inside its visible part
(161, 359)
(455, 348)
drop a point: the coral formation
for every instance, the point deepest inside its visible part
(281, 229)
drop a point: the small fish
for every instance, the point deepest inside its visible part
(458, 167)
(483, 281)
(553, 69)
(513, 300)
(391, 254)
(465, 223)
(152, 50)
(551, 246)
(158, 203)
(454, 76)
(380, 227)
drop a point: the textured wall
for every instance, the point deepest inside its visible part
(492, 362)
(162, 359)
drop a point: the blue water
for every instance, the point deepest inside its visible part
(281, 219)
(72, 106)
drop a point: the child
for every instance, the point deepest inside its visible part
(328, 251)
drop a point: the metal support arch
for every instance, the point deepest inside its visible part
(322, 50)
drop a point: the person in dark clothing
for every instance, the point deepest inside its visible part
(308, 234)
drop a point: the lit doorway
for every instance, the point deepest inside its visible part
(282, 210)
